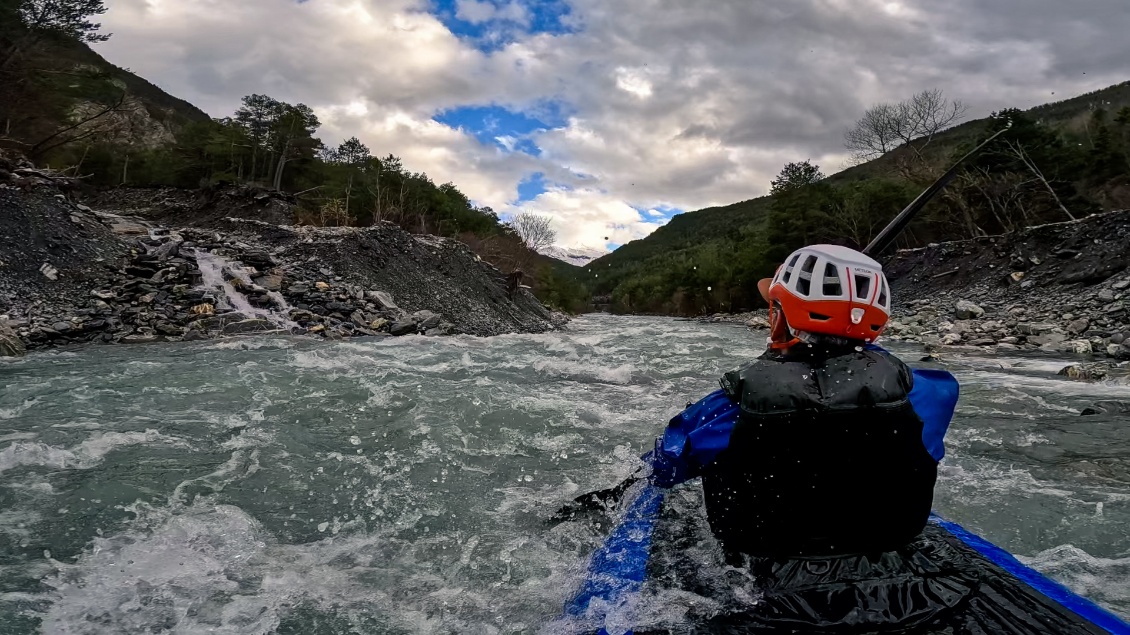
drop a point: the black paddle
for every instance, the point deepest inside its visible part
(606, 498)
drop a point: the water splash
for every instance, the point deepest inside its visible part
(212, 269)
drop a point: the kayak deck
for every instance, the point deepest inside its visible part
(948, 581)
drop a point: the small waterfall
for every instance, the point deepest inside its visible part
(212, 269)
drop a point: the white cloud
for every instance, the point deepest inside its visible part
(671, 105)
(589, 217)
(474, 12)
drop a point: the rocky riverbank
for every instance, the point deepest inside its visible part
(72, 273)
(1061, 288)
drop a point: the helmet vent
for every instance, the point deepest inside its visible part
(883, 294)
(819, 316)
(832, 285)
(789, 269)
(862, 287)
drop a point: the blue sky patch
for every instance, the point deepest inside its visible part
(506, 129)
(492, 24)
(531, 187)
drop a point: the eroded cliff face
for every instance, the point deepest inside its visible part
(198, 265)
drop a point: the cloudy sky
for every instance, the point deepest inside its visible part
(613, 115)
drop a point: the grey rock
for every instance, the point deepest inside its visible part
(1117, 338)
(1049, 339)
(1083, 372)
(384, 300)
(10, 343)
(270, 282)
(966, 310)
(1106, 295)
(61, 327)
(1079, 347)
(359, 319)
(169, 329)
(403, 327)
(298, 289)
(428, 321)
(1034, 328)
(1078, 326)
(194, 335)
(1121, 285)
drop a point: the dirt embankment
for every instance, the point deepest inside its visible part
(151, 265)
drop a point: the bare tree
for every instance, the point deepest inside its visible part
(534, 230)
(912, 123)
(1016, 149)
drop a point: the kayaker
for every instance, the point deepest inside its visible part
(826, 444)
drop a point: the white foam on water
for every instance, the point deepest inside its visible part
(18, 436)
(16, 411)
(585, 371)
(84, 456)
(1106, 580)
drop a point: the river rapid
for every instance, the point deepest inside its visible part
(288, 485)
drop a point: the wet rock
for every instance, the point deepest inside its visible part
(10, 344)
(984, 341)
(1107, 407)
(966, 310)
(272, 282)
(254, 325)
(1083, 372)
(403, 327)
(169, 329)
(141, 339)
(194, 335)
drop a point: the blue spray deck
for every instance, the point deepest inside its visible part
(618, 568)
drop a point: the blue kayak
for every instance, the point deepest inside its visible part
(949, 581)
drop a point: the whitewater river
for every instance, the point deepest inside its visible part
(284, 485)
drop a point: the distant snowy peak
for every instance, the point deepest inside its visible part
(579, 256)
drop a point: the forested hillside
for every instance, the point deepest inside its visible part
(63, 106)
(1056, 162)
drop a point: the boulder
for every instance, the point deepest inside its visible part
(966, 310)
(403, 327)
(950, 339)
